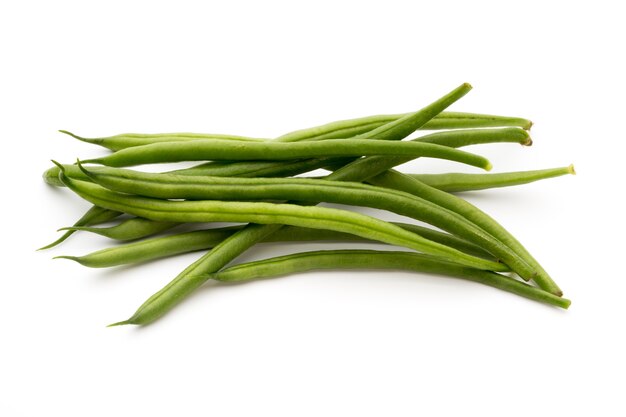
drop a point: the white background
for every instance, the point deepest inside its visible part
(333, 344)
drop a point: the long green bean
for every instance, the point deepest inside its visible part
(444, 120)
(268, 213)
(369, 259)
(232, 150)
(459, 182)
(168, 186)
(456, 138)
(174, 244)
(399, 181)
(335, 130)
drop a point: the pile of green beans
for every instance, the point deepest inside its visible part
(254, 182)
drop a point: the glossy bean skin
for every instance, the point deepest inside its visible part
(268, 213)
(369, 259)
(191, 278)
(129, 229)
(161, 247)
(460, 182)
(95, 215)
(203, 150)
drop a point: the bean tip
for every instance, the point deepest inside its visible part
(82, 168)
(75, 136)
(61, 167)
(571, 169)
(529, 125)
(488, 166)
(71, 258)
(120, 323)
(66, 132)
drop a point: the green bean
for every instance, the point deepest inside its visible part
(398, 181)
(129, 229)
(231, 150)
(444, 120)
(95, 215)
(168, 186)
(369, 259)
(457, 138)
(335, 130)
(345, 259)
(160, 247)
(268, 213)
(520, 260)
(127, 140)
(460, 182)
(218, 169)
(188, 280)
(373, 165)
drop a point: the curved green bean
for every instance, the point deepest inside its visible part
(129, 229)
(459, 182)
(268, 213)
(369, 259)
(368, 167)
(161, 247)
(334, 130)
(444, 120)
(399, 181)
(456, 138)
(167, 186)
(231, 150)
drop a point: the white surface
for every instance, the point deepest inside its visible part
(330, 344)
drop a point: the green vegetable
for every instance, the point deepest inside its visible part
(335, 130)
(532, 270)
(200, 150)
(191, 278)
(267, 213)
(160, 247)
(459, 182)
(241, 182)
(368, 259)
